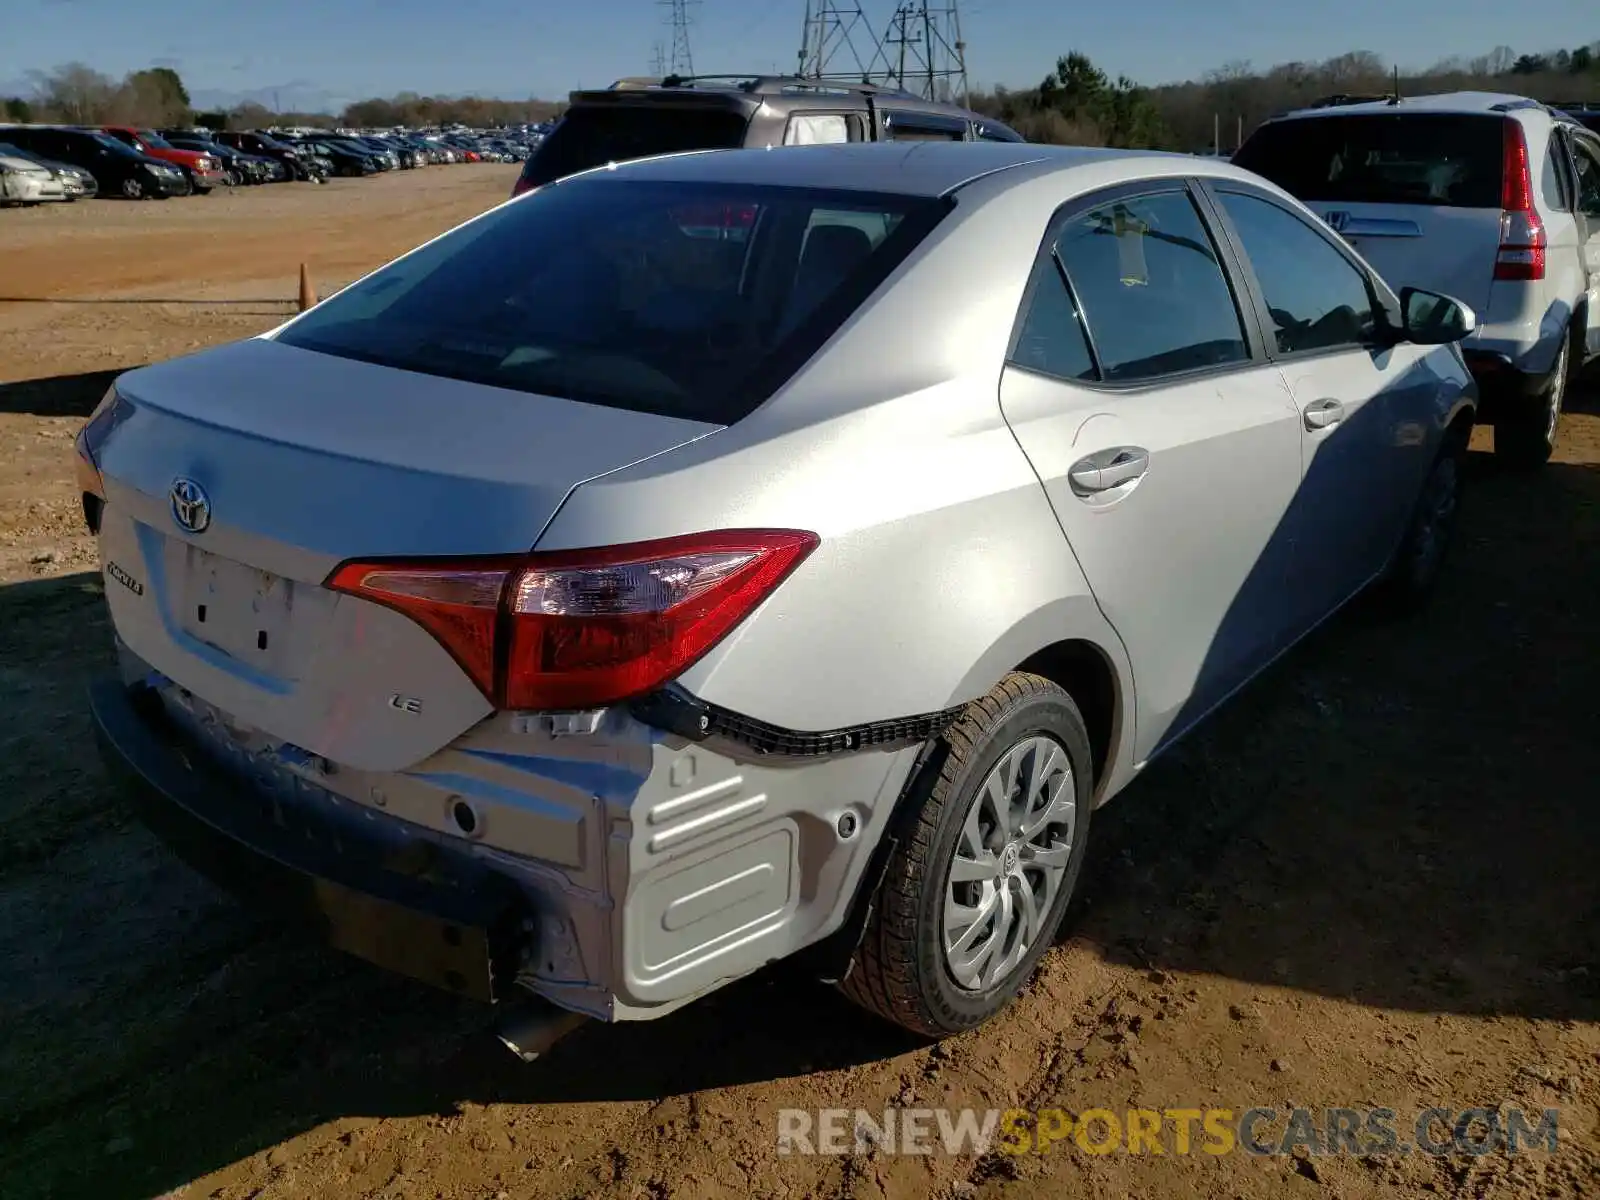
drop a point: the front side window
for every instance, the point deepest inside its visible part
(1152, 288)
(1317, 298)
(683, 299)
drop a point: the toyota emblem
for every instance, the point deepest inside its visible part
(191, 507)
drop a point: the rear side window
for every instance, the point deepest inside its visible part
(592, 137)
(1317, 298)
(1052, 340)
(688, 300)
(816, 129)
(1383, 158)
(1586, 158)
(1152, 288)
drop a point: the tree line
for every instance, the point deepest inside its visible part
(1079, 104)
(76, 94)
(1076, 104)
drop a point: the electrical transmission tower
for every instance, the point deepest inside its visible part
(923, 50)
(658, 60)
(681, 61)
(833, 41)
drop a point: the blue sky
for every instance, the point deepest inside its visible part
(324, 53)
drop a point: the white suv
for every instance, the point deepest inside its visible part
(1492, 199)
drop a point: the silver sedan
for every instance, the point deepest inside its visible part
(726, 554)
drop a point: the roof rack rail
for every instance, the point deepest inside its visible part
(1341, 98)
(757, 82)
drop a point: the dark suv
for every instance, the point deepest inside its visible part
(634, 118)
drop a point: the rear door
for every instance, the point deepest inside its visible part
(1168, 445)
(1586, 158)
(1417, 194)
(1366, 405)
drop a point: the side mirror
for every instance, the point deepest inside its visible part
(1434, 319)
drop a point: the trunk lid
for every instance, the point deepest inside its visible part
(304, 460)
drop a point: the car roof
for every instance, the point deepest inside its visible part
(913, 169)
(1488, 103)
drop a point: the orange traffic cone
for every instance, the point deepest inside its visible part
(308, 297)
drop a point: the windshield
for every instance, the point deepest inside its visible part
(690, 300)
(592, 137)
(1382, 158)
(154, 140)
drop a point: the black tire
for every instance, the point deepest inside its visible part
(132, 188)
(900, 970)
(1413, 574)
(1525, 434)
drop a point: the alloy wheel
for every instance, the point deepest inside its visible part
(1010, 859)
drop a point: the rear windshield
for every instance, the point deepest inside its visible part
(592, 137)
(1381, 158)
(685, 300)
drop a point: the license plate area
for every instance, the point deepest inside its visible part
(246, 613)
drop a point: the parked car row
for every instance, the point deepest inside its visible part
(55, 163)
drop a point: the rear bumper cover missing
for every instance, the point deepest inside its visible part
(430, 918)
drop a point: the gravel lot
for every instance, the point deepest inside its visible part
(1370, 881)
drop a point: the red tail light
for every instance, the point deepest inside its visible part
(1522, 238)
(585, 628)
(521, 185)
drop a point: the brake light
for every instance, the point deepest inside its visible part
(585, 628)
(1522, 238)
(523, 184)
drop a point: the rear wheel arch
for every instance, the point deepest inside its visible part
(1091, 671)
(1082, 670)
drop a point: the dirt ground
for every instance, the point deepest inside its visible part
(1369, 882)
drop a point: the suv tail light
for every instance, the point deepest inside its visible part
(584, 628)
(1522, 239)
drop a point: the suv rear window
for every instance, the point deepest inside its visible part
(1382, 158)
(682, 299)
(592, 137)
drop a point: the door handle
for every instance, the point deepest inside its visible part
(1108, 469)
(1320, 414)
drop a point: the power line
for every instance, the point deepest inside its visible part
(836, 42)
(924, 52)
(681, 61)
